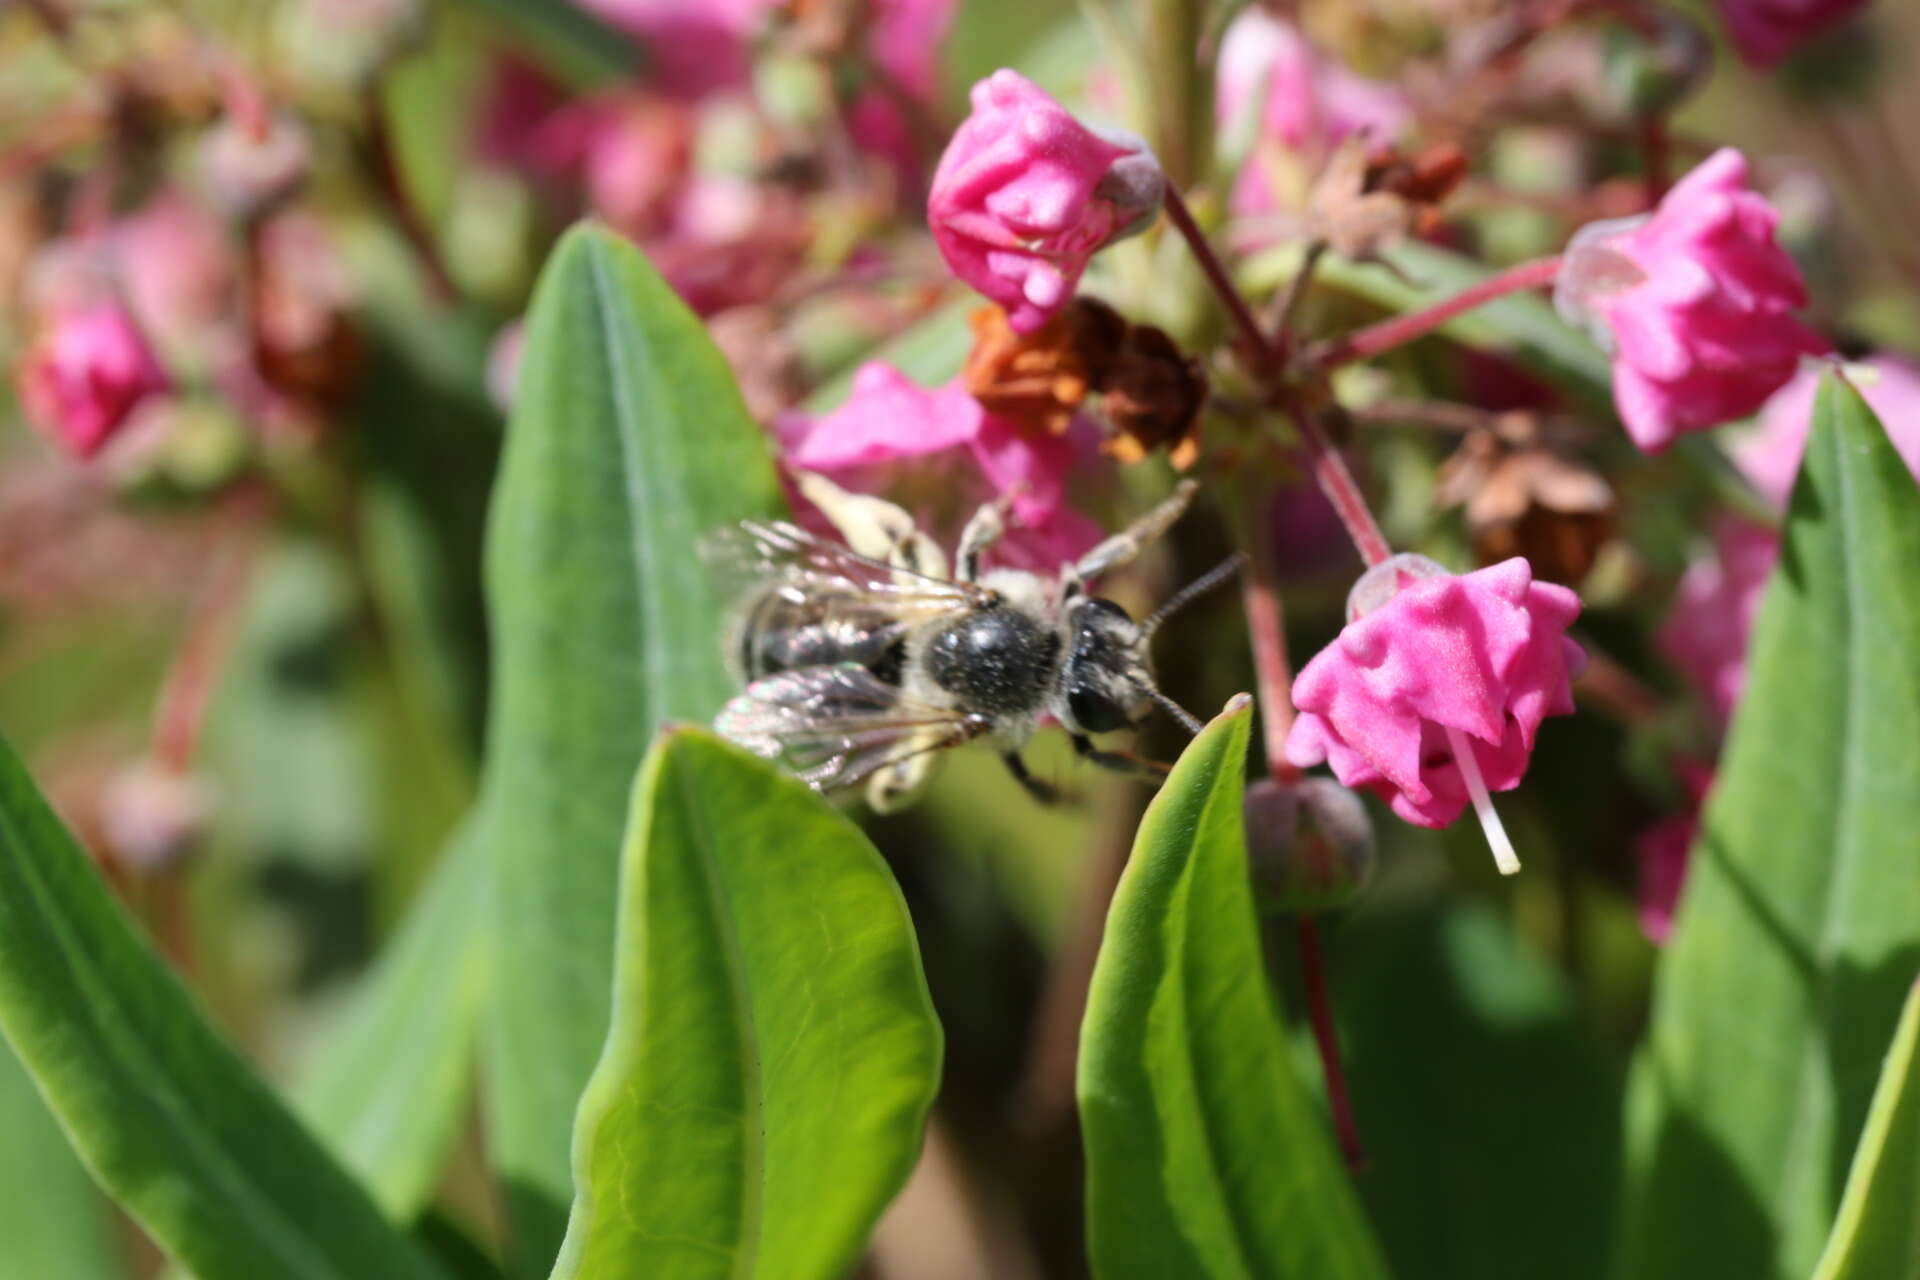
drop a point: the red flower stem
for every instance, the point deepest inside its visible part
(1313, 972)
(1328, 468)
(1656, 151)
(1216, 272)
(408, 218)
(188, 690)
(1267, 630)
(1388, 334)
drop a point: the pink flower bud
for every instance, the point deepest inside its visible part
(150, 816)
(1432, 664)
(83, 377)
(1026, 194)
(940, 454)
(1766, 31)
(1309, 842)
(1713, 611)
(1694, 302)
(1663, 852)
(250, 168)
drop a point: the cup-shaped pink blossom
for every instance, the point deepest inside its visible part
(1766, 31)
(1770, 455)
(1475, 659)
(1694, 302)
(1026, 194)
(937, 452)
(84, 376)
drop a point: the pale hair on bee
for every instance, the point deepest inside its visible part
(860, 663)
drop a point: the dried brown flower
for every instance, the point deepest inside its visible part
(1153, 393)
(1149, 392)
(1367, 199)
(1524, 495)
(1041, 378)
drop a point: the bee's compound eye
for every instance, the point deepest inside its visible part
(1094, 711)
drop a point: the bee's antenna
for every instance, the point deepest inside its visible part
(1188, 594)
(1188, 721)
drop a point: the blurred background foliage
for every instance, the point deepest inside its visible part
(1487, 1024)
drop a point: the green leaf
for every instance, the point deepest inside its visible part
(1205, 1156)
(571, 41)
(628, 444)
(171, 1121)
(53, 1221)
(389, 1089)
(1799, 932)
(1877, 1235)
(1499, 1154)
(774, 1050)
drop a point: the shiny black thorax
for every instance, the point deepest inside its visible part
(997, 661)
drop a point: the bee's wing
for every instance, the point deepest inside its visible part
(833, 726)
(756, 552)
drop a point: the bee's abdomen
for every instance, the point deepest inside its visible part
(784, 634)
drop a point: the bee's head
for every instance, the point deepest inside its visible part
(1107, 679)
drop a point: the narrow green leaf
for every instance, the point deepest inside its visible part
(1877, 1235)
(388, 1090)
(1799, 934)
(774, 1050)
(171, 1121)
(1205, 1156)
(52, 1220)
(628, 444)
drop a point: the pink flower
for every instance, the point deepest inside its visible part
(1695, 302)
(1663, 851)
(1305, 103)
(85, 375)
(1711, 617)
(504, 358)
(1707, 624)
(936, 451)
(1765, 31)
(904, 39)
(1443, 659)
(1026, 194)
(692, 49)
(1771, 455)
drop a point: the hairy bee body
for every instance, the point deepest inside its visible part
(860, 662)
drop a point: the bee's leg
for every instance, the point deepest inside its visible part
(873, 527)
(1044, 792)
(898, 784)
(1118, 761)
(982, 531)
(1122, 547)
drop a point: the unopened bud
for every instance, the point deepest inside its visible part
(150, 817)
(1134, 184)
(1651, 78)
(250, 168)
(1309, 842)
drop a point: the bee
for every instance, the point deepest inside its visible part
(860, 663)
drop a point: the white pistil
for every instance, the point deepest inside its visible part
(1503, 855)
